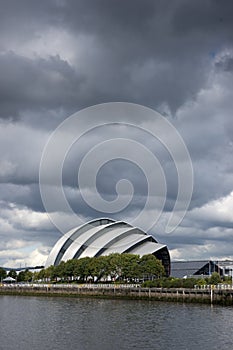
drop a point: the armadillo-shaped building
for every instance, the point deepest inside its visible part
(103, 237)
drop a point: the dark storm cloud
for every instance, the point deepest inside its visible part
(36, 84)
(153, 53)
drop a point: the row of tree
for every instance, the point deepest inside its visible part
(172, 282)
(23, 276)
(122, 267)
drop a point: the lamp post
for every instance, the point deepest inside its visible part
(232, 278)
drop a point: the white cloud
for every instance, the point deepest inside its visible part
(217, 211)
(12, 258)
(23, 218)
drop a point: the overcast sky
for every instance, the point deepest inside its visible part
(60, 56)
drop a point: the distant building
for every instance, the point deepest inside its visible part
(103, 237)
(198, 268)
(19, 269)
(9, 280)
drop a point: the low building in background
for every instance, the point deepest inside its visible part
(201, 268)
(9, 280)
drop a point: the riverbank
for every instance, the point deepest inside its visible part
(207, 296)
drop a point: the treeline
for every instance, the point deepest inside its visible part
(172, 282)
(22, 276)
(121, 267)
(114, 267)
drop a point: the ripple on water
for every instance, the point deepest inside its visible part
(91, 324)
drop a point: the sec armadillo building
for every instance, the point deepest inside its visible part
(103, 237)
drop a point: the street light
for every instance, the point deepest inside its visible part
(232, 278)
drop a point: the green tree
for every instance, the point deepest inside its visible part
(41, 275)
(12, 273)
(201, 282)
(35, 276)
(102, 267)
(59, 271)
(98, 267)
(151, 267)
(2, 274)
(28, 276)
(21, 276)
(82, 268)
(189, 282)
(115, 265)
(214, 278)
(50, 273)
(130, 266)
(69, 269)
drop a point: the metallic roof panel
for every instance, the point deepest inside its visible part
(102, 237)
(147, 248)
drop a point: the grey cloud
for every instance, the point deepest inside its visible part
(22, 195)
(225, 63)
(150, 53)
(155, 47)
(36, 84)
(209, 17)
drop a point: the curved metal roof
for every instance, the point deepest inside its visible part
(68, 238)
(102, 237)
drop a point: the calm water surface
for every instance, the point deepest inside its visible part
(79, 324)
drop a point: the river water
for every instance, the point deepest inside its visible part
(86, 324)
